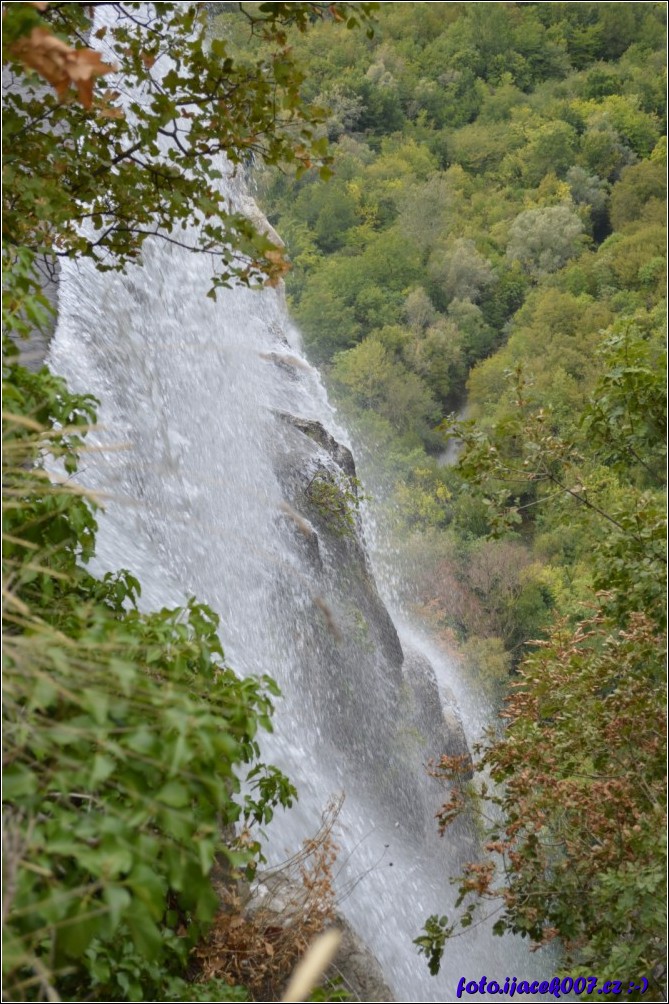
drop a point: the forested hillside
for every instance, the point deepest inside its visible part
(493, 239)
(497, 203)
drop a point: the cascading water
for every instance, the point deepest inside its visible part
(211, 421)
(185, 461)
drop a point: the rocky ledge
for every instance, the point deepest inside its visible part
(358, 647)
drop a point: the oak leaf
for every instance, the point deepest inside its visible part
(60, 64)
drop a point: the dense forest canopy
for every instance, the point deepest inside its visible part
(491, 242)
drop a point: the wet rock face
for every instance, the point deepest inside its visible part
(358, 649)
(341, 455)
(432, 710)
(345, 585)
(358, 968)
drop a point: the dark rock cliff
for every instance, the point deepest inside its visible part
(359, 649)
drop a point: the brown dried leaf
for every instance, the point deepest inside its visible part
(105, 107)
(278, 266)
(111, 113)
(60, 64)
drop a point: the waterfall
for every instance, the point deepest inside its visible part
(201, 439)
(185, 461)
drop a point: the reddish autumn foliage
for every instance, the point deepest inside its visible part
(581, 776)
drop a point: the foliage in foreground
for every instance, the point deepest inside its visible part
(126, 741)
(580, 775)
(96, 177)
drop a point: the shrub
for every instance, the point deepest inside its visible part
(126, 740)
(337, 499)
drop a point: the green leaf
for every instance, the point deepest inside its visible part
(74, 935)
(174, 794)
(103, 767)
(145, 933)
(18, 782)
(109, 860)
(150, 887)
(118, 900)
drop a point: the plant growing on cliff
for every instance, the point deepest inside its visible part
(257, 943)
(337, 499)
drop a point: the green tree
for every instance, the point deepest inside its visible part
(542, 240)
(590, 193)
(481, 146)
(332, 211)
(639, 130)
(459, 271)
(97, 178)
(425, 208)
(640, 193)
(418, 309)
(373, 380)
(478, 338)
(551, 147)
(329, 324)
(604, 153)
(438, 357)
